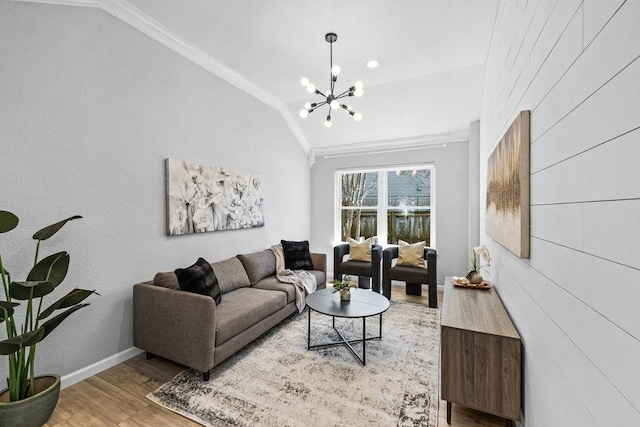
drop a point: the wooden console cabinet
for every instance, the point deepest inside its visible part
(480, 353)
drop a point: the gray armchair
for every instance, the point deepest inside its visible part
(363, 269)
(414, 277)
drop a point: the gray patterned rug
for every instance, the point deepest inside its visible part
(276, 381)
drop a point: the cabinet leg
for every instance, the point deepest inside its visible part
(149, 355)
(509, 423)
(448, 412)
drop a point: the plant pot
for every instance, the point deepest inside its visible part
(33, 411)
(475, 278)
(345, 295)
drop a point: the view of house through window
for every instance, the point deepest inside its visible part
(390, 204)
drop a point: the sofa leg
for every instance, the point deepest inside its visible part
(149, 355)
(414, 289)
(205, 376)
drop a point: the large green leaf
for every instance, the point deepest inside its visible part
(14, 344)
(53, 323)
(52, 269)
(22, 290)
(49, 231)
(6, 309)
(76, 296)
(8, 221)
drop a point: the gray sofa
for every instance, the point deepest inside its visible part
(190, 329)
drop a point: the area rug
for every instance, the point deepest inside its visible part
(276, 381)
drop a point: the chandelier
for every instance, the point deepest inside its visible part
(330, 97)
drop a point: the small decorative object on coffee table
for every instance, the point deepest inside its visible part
(474, 275)
(344, 287)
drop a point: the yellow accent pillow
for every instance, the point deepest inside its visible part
(359, 251)
(411, 254)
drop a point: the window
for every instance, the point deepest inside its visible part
(390, 203)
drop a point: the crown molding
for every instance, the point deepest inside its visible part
(391, 145)
(83, 3)
(152, 28)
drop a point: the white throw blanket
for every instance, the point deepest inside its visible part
(304, 282)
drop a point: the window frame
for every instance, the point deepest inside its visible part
(383, 200)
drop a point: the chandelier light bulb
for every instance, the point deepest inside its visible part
(414, 172)
(331, 98)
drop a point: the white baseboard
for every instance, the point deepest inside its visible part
(91, 370)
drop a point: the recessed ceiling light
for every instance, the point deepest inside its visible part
(372, 64)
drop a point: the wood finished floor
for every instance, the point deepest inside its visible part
(116, 397)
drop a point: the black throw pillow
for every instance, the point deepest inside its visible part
(297, 255)
(200, 279)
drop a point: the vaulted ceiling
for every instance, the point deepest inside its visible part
(431, 55)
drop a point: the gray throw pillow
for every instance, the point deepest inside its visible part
(259, 265)
(166, 279)
(231, 274)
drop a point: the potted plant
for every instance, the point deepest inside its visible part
(474, 274)
(30, 400)
(344, 287)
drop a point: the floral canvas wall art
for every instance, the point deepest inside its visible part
(211, 198)
(507, 220)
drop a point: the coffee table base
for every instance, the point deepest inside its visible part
(344, 341)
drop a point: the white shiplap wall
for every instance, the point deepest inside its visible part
(576, 302)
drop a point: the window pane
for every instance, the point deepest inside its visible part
(409, 188)
(408, 225)
(360, 189)
(358, 223)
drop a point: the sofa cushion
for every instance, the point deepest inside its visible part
(199, 278)
(296, 255)
(259, 265)
(231, 274)
(321, 279)
(409, 274)
(358, 268)
(244, 307)
(166, 279)
(273, 284)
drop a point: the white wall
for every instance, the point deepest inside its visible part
(575, 64)
(89, 110)
(451, 194)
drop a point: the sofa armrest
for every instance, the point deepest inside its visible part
(319, 262)
(176, 325)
